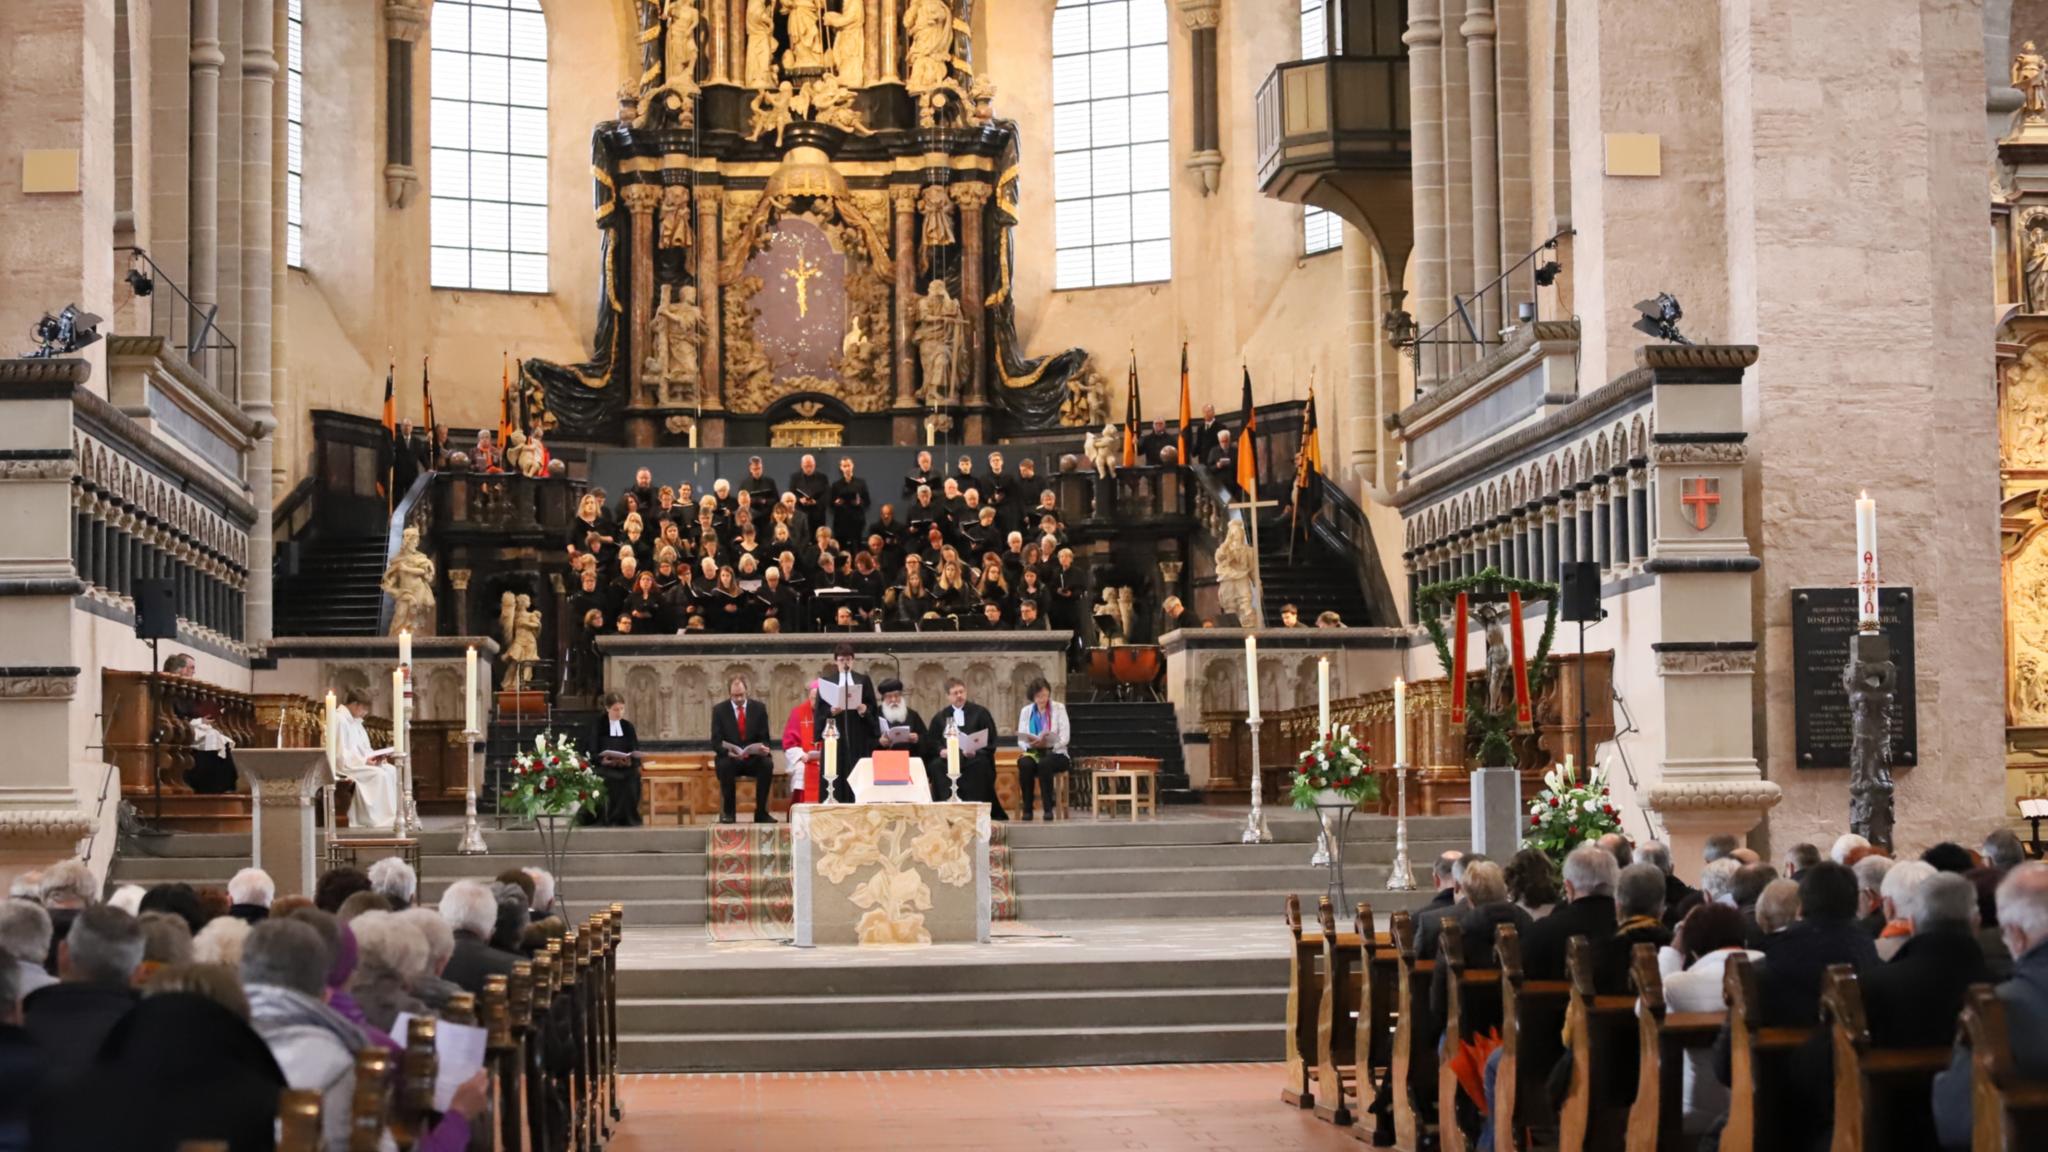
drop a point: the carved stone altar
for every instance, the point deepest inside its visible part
(786, 181)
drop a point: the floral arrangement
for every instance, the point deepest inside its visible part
(1568, 812)
(551, 779)
(1336, 765)
(1489, 734)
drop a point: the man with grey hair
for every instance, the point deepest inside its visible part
(2002, 850)
(1588, 910)
(1870, 873)
(284, 973)
(1429, 921)
(1639, 916)
(394, 879)
(24, 942)
(67, 887)
(1778, 907)
(1482, 908)
(1717, 881)
(471, 909)
(433, 989)
(1679, 897)
(1798, 859)
(1720, 846)
(2023, 922)
(1845, 846)
(96, 962)
(543, 893)
(1901, 886)
(251, 890)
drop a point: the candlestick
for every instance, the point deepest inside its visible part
(469, 723)
(1401, 877)
(333, 736)
(1866, 563)
(1251, 677)
(1255, 830)
(953, 759)
(405, 647)
(472, 831)
(1400, 721)
(1323, 697)
(398, 711)
(830, 762)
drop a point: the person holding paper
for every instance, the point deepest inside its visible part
(614, 751)
(1042, 735)
(847, 697)
(899, 726)
(800, 749)
(375, 777)
(977, 732)
(739, 743)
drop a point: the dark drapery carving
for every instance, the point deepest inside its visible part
(1030, 391)
(587, 400)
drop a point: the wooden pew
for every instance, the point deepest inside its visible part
(1373, 1046)
(1304, 1001)
(1413, 1114)
(539, 1091)
(1757, 1053)
(1466, 989)
(371, 1103)
(1336, 1086)
(1518, 1091)
(502, 1061)
(2010, 1112)
(611, 984)
(1596, 1027)
(298, 1120)
(1871, 1082)
(587, 967)
(1656, 1119)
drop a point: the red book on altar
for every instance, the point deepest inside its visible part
(891, 766)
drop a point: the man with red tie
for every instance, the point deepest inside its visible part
(739, 743)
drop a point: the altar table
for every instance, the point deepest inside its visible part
(890, 873)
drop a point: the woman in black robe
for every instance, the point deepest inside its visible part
(613, 733)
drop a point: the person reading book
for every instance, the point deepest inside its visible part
(739, 744)
(1042, 735)
(976, 730)
(614, 750)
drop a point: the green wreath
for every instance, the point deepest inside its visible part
(1494, 730)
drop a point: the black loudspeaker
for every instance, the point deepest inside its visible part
(1580, 592)
(156, 610)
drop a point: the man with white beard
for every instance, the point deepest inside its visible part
(897, 713)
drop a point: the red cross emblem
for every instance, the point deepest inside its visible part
(1701, 496)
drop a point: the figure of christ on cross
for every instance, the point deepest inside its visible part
(804, 272)
(1700, 494)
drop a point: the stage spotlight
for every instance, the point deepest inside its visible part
(1546, 273)
(64, 333)
(1660, 318)
(139, 278)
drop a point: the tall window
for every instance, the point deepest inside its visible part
(1320, 231)
(294, 133)
(489, 135)
(1111, 198)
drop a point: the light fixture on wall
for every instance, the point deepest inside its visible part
(1546, 273)
(139, 278)
(1660, 317)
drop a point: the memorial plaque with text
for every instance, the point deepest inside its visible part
(1823, 619)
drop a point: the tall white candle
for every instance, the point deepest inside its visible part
(405, 647)
(1400, 721)
(1866, 561)
(829, 762)
(469, 692)
(1323, 696)
(398, 710)
(1251, 677)
(333, 733)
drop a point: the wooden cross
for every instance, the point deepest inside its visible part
(1699, 495)
(1251, 507)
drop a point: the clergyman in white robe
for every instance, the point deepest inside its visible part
(376, 802)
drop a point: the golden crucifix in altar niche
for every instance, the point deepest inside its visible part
(803, 273)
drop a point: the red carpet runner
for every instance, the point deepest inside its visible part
(749, 885)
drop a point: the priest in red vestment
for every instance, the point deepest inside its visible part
(800, 750)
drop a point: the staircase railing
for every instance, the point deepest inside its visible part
(193, 328)
(1461, 338)
(1343, 528)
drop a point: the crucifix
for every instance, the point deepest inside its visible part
(804, 272)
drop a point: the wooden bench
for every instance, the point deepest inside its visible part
(1526, 1007)
(2011, 1111)
(1758, 1057)
(1466, 989)
(1873, 1086)
(1336, 1085)
(1304, 1002)
(1656, 1121)
(1597, 1028)
(1373, 1045)
(1413, 1069)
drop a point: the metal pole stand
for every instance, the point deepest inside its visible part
(401, 824)
(1335, 824)
(1870, 679)
(1255, 830)
(408, 808)
(472, 832)
(1401, 878)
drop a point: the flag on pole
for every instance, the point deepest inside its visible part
(1247, 452)
(505, 403)
(1186, 414)
(1311, 444)
(1131, 415)
(390, 433)
(427, 410)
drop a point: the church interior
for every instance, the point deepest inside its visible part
(632, 574)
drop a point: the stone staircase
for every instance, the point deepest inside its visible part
(333, 588)
(1134, 728)
(1316, 578)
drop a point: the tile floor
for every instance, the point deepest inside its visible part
(1169, 1108)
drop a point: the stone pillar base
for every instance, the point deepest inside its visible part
(1692, 811)
(34, 838)
(1496, 812)
(283, 782)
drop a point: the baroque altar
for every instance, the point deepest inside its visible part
(806, 209)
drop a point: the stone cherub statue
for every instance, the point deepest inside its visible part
(831, 104)
(937, 335)
(675, 340)
(1236, 564)
(409, 581)
(1103, 449)
(521, 633)
(772, 112)
(1088, 397)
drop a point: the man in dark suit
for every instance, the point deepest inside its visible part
(1679, 897)
(978, 770)
(921, 476)
(1588, 910)
(471, 910)
(96, 961)
(856, 720)
(739, 743)
(2023, 922)
(1429, 922)
(811, 487)
(1202, 437)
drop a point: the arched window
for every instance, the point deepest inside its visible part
(1321, 231)
(1111, 170)
(489, 135)
(295, 133)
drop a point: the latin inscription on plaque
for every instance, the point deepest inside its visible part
(1823, 619)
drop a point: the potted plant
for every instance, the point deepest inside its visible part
(1570, 811)
(1335, 770)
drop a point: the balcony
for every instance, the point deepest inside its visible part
(1333, 133)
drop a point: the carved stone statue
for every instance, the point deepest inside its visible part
(409, 581)
(2037, 265)
(831, 103)
(937, 335)
(1109, 621)
(675, 217)
(522, 643)
(1124, 600)
(680, 20)
(982, 91)
(1499, 665)
(802, 21)
(1103, 449)
(855, 345)
(928, 49)
(936, 208)
(771, 112)
(534, 460)
(760, 60)
(675, 341)
(1088, 400)
(1235, 565)
(2030, 76)
(849, 43)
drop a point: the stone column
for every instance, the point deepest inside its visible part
(973, 303)
(889, 41)
(1424, 38)
(458, 582)
(206, 61)
(1601, 535)
(283, 782)
(259, 142)
(718, 45)
(905, 199)
(707, 199)
(1639, 512)
(1567, 529)
(1617, 515)
(403, 20)
(1205, 158)
(1478, 30)
(1549, 569)
(640, 203)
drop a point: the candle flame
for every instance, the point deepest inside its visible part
(1863, 495)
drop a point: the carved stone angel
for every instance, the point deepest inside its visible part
(771, 112)
(1103, 450)
(1235, 564)
(409, 581)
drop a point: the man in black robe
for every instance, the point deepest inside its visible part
(614, 752)
(811, 487)
(895, 712)
(977, 770)
(856, 723)
(921, 476)
(760, 491)
(1002, 493)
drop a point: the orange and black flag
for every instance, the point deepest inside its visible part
(1311, 461)
(390, 431)
(505, 404)
(1247, 444)
(1131, 415)
(427, 408)
(1186, 413)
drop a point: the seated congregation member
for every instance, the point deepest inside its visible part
(1693, 965)
(471, 912)
(1902, 884)
(1480, 911)
(252, 890)
(855, 719)
(24, 944)
(991, 617)
(802, 749)
(1588, 910)
(1447, 875)
(978, 769)
(1639, 912)
(1042, 736)
(96, 965)
(390, 957)
(370, 770)
(2023, 923)
(739, 744)
(213, 762)
(614, 749)
(850, 500)
(1531, 883)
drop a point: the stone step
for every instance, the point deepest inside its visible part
(945, 970)
(1207, 905)
(962, 1048)
(1138, 857)
(1299, 877)
(771, 1015)
(217, 869)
